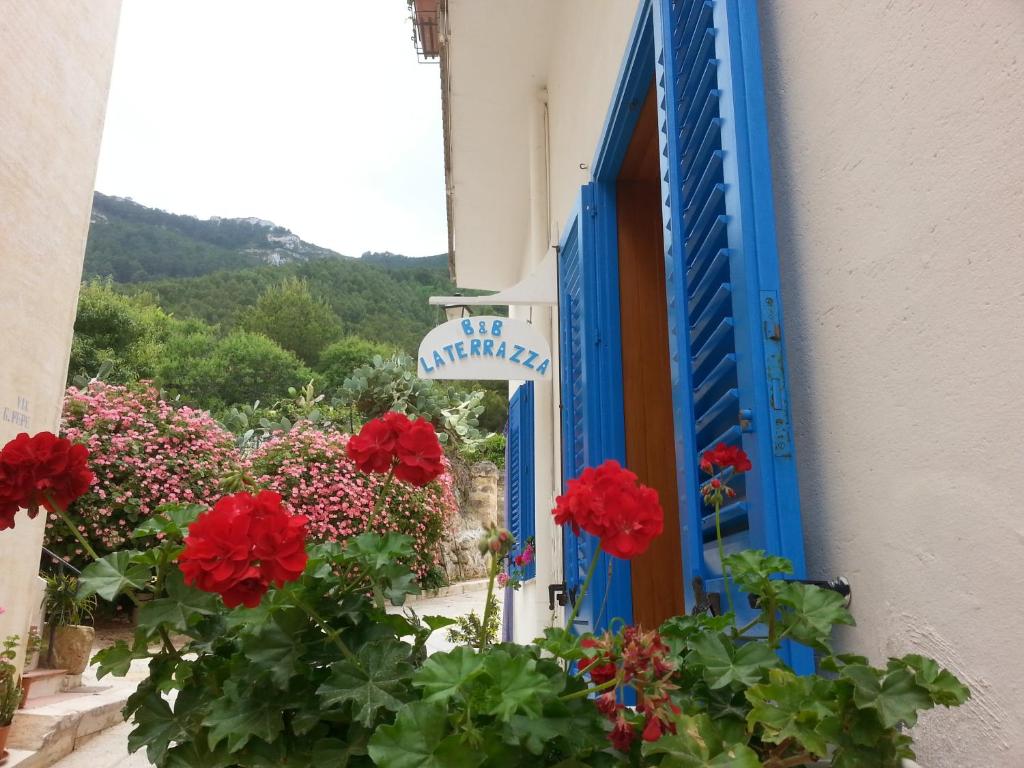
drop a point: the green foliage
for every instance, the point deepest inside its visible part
(292, 316)
(470, 630)
(490, 448)
(392, 385)
(242, 367)
(321, 674)
(341, 359)
(123, 333)
(10, 689)
(64, 604)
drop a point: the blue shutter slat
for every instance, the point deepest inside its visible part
(591, 395)
(519, 478)
(719, 239)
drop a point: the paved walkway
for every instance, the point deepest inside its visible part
(108, 749)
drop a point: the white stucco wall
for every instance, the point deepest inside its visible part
(897, 132)
(595, 32)
(55, 61)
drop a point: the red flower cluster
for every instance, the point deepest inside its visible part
(41, 471)
(723, 456)
(610, 503)
(394, 441)
(601, 666)
(242, 546)
(645, 666)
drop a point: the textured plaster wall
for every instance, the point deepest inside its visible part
(55, 61)
(897, 131)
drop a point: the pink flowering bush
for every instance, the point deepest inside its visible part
(145, 452)
(311, 469)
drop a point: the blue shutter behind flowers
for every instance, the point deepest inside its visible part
(519, 488)
(725, 319)
(590, 367)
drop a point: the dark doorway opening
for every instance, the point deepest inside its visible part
(646, 382)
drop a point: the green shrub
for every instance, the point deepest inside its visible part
(339, 360)
(240, 368)
(292, 316)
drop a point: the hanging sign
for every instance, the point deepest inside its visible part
(496, 348)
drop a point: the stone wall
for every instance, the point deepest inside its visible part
(481, 505)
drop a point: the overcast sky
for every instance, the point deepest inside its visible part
(311, 113)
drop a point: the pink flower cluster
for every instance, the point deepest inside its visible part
(312, 471)
(144, 452)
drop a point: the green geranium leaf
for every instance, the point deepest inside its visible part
(276, 644)
(725, 663)
(698, 744)
(895, 696)
(418, 740)
(443, 675)
(172, 520)
(194, 754)
(941, 684)
(117, 659)
(791, 707)
(155, 727)
(678, 631)
(752, 569)
(377, 681)
(180, 609)
(379, 551)
(813, 612)
(240, 714)
(535, 733)
(561, 643)
(516, 686)
(400, 586)
(438, 622)
(336, 753)
(111, 575)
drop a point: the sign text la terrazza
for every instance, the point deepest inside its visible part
(485, 348)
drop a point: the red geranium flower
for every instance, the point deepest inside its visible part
(242, 545)
(609, 502)
(396, 442)
(622, 734)
(419, 454)
(41, 471)
(373, 449)
(723, 456)
(601, 667)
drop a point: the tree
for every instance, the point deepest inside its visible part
(340, 359)
(122, 331)
(289, 314)
(240, 368)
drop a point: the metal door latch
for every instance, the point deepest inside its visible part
(556, 592)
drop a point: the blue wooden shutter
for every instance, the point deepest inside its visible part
(519, 489)
(725, 319)
(590, 373)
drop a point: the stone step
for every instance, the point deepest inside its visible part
(40, 683)
(51, 727)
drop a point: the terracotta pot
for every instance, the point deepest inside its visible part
(72, 648)
(4, 730)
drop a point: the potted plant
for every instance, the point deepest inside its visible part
(10, 690)
(291, 656)
(68, 612)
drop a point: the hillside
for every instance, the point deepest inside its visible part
(131, 243)
(212, 269)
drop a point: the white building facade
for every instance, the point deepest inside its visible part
(55, 64)
(694, 169)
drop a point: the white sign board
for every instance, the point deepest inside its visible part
(488, 347)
